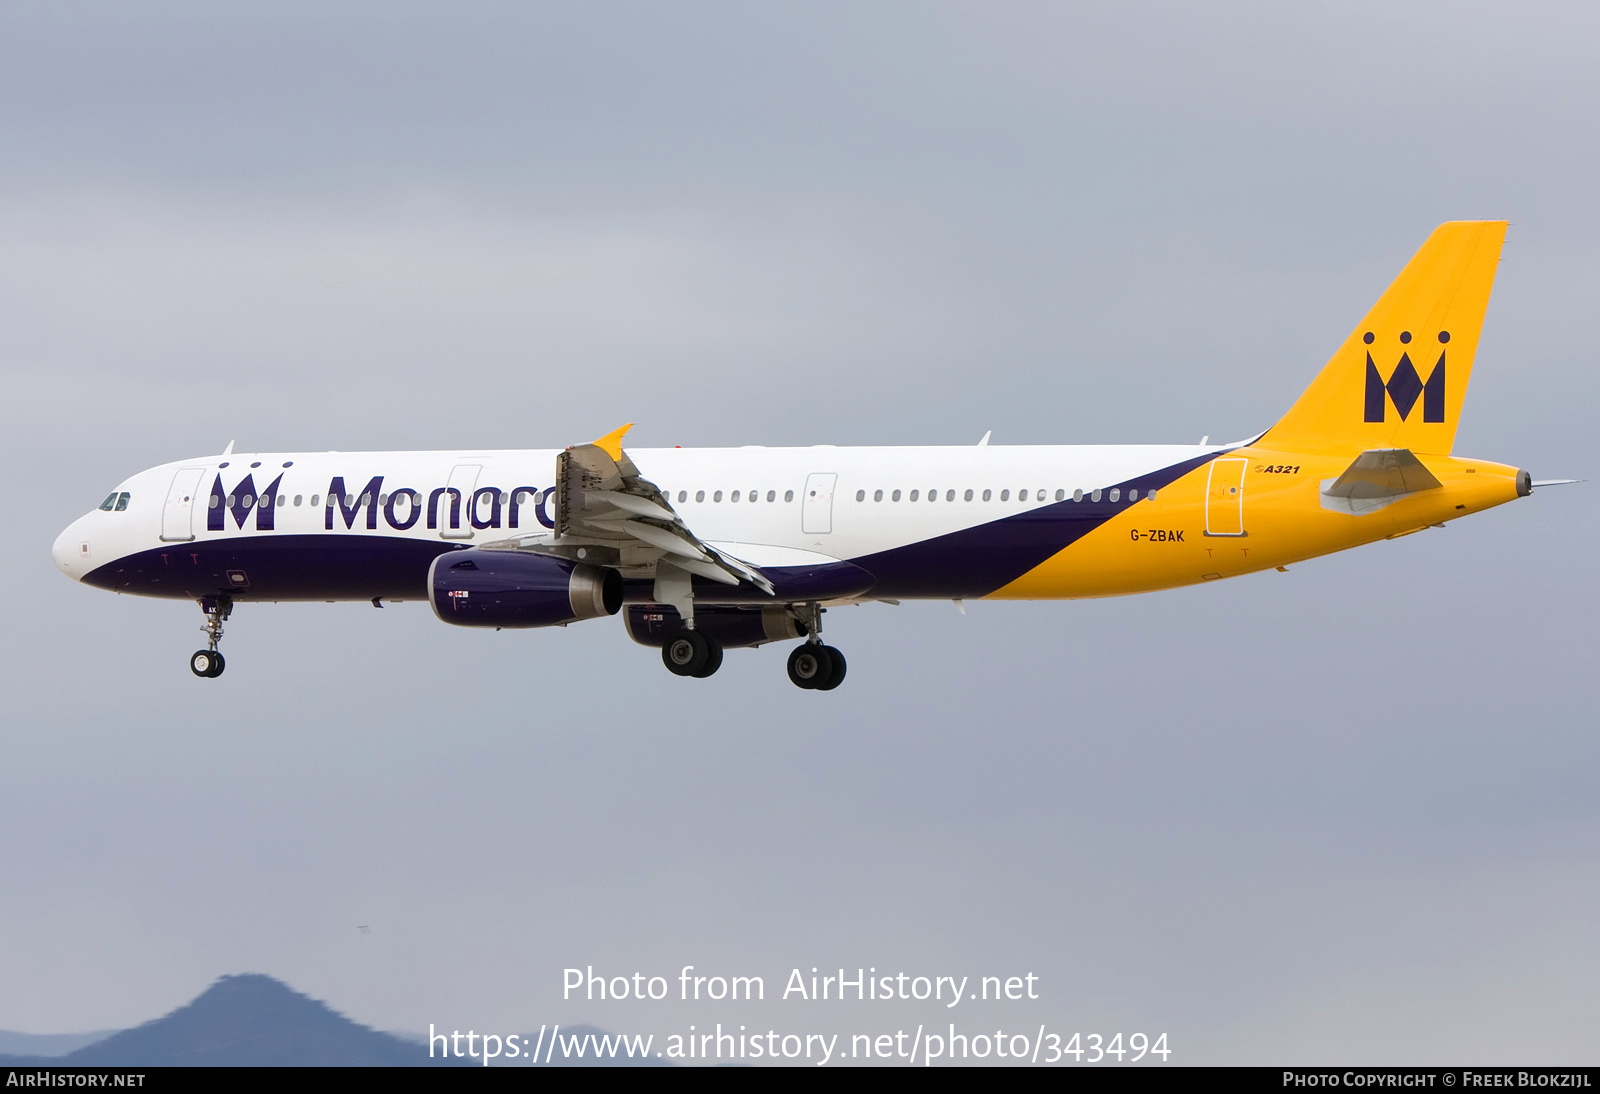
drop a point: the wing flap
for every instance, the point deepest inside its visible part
(604, 509)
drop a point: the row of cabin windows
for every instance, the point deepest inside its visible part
(119, 502)
(1115, 494)
(248, 501)
(751, 495)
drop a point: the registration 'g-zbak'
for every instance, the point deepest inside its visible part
(706, 549)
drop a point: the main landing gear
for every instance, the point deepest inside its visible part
(692, 653)
(816, 667)
(812, 665)
(209, 662)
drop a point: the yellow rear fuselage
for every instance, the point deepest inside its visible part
(1196, 530)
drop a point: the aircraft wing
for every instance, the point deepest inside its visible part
(605, 514)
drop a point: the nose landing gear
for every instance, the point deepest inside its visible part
(209, 662)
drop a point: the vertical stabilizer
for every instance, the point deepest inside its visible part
(1400, 378)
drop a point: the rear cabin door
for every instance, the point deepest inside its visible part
(816, 508)
(177, 516)
(1225, 498)
(455, 507)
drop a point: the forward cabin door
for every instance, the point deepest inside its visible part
(177, 516)
(1225, 498)
(455, 509)
(816, 508)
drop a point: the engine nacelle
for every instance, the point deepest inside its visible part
(478, 588)
(653, 624)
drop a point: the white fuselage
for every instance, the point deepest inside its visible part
(762, 504)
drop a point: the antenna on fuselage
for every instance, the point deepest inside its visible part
(229, 450)
(984, 443)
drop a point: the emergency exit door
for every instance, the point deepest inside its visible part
(816, 507)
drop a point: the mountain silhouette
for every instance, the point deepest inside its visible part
(248, 1020)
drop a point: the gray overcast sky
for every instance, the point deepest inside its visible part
(1341, 814)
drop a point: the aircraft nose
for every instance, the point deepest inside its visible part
(66, 552)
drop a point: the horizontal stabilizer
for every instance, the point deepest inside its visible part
(1376, 478)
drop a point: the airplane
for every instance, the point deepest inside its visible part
(703, 550)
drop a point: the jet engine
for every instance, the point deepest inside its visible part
(479, 588)
(653, 624)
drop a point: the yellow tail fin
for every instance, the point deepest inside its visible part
(1400, 378)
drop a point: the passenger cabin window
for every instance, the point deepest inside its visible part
(699, 495)
(717, 496)
(772, 495)
(683, 495)
(986, 495)
(968, 495)
(877, 495)
(735, 496)
(895, 496)
(314, 498)
(297, 500)
(1005, 495)
(1061, 495)
(861, 495)
(1133, 495)
(1077, 495)
(1149, 495)
(788, 495)
(1094, 495)
(1116, 493)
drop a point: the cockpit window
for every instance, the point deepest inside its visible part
(111, 500)
(122, 501)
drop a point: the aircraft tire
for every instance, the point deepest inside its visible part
(205, 663)
(836, 677)
(810, 666)
(687, 653)
(218, 664)
(713, 659)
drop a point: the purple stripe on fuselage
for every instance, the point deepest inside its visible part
(289, 567)
(976, 561)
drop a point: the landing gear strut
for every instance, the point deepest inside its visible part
(209, 662)
(692, 653)
(812, 665)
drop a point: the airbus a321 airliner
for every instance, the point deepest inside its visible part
(702, 550)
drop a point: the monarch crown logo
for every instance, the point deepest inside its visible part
(1405, 386)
